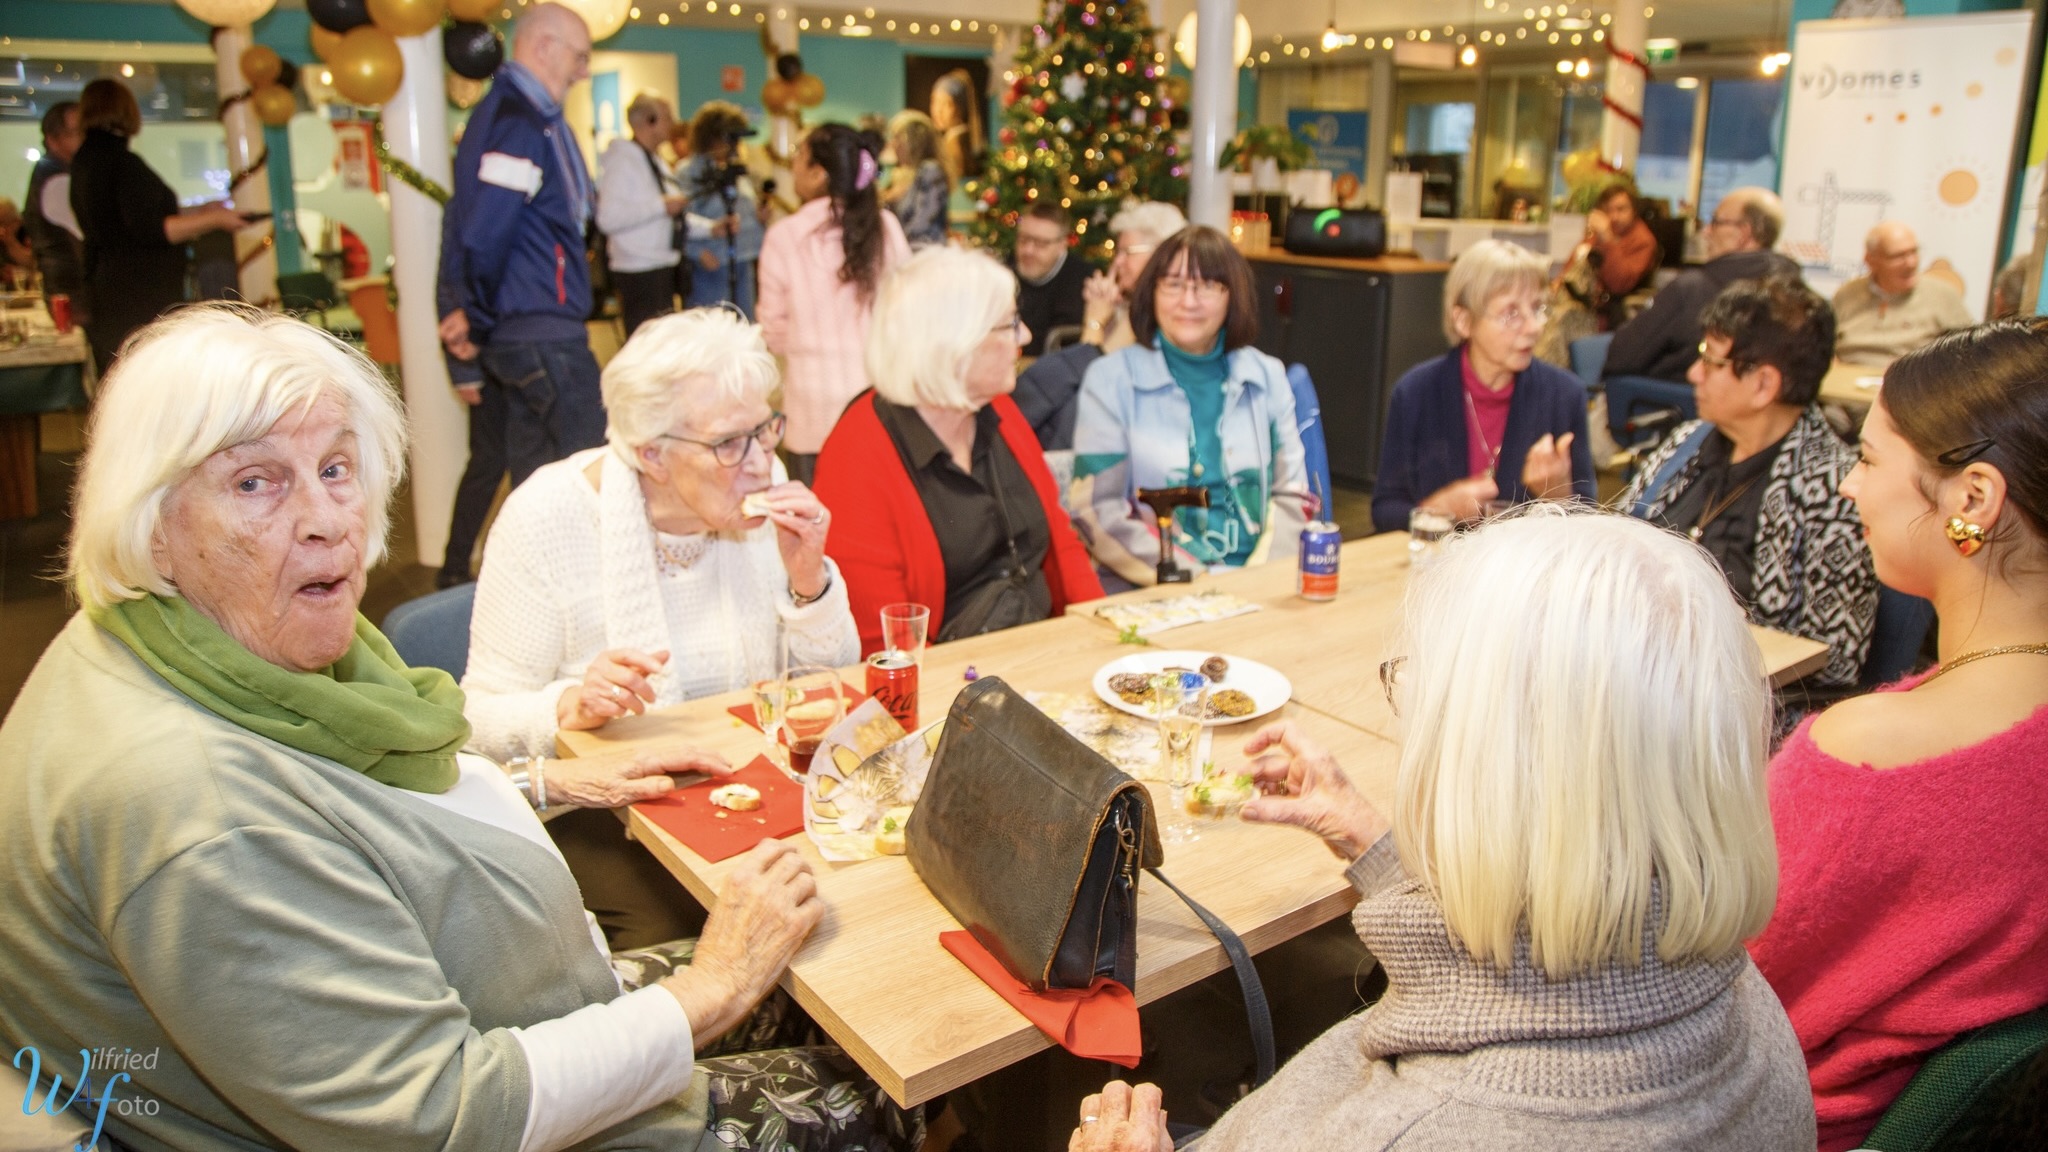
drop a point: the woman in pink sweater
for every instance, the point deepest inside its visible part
(818, 273)
(1911, 821)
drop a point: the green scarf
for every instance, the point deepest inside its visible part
(368, 710)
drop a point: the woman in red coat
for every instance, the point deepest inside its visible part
(939, 493)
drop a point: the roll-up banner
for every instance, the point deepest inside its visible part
(1908, 120)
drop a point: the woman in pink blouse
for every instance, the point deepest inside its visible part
(818, 273)
(1910, 822)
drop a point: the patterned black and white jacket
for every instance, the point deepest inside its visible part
(1813, 574)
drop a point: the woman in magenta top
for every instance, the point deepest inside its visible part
(1910, 822)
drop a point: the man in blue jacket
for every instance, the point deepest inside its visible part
(514, 285)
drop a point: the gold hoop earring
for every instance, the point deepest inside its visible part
(1967, 537)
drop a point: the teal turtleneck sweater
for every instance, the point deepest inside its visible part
(1201, 377)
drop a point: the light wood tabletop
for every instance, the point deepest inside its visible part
(1853, 386)
(1331, 650)
(877, 950)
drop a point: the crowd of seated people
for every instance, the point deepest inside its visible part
(1694, 916)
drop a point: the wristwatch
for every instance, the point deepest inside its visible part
(807, 601)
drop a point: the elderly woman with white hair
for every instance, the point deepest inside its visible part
(1578, 845)
(942, 496)
(1485, 421)
(673, 563)
(240, 836)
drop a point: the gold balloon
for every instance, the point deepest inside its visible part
(324, 43)
(407, 17)
(776, 95)
(367, 67)
(810, 91)
(274, 105)
(474, 11)
(261, 65)
(464, 92)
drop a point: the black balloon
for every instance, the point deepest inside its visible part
(789, 66)
(473, 51)
(288, 75)
(338, 15)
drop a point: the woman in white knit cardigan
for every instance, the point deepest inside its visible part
(629, 577)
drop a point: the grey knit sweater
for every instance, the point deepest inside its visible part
(1460, 1055)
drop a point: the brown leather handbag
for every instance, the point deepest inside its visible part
(1033, 842)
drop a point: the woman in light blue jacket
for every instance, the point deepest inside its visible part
(1192, 403)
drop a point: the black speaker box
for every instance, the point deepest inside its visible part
(1337, 232)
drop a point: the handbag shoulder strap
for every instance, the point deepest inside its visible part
(1673, 464)
(1259, 1016)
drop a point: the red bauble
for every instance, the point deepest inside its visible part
(989, 197)
(1007, 135)
(1038, 106)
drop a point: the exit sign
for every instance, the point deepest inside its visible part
(1660, 51)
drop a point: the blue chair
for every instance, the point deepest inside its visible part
(1308, 418)
(1641, 409)
(433, 630)
(1895, 637)
(1589, 357)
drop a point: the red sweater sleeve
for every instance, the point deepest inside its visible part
(1909, 910)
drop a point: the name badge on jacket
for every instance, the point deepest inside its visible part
(508, 171)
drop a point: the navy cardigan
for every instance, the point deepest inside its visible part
(1425, 446)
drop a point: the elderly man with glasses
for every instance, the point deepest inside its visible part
(1662, 341)
(1893, 310)
(673, 563)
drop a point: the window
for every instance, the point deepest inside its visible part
(1664, 162)
(1743, 121)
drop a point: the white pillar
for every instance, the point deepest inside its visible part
(416, 128)
(1212, 122)
(1621, 131)
(255, 254)
(782, 126)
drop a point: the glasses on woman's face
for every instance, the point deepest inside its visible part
(1715, 363)
(1206, 291)
(1390, 675)
(732, 451)
(1515, 317)
(1013, 328)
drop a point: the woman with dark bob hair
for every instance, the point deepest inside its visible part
(1909, 903)
(135, 233)
(1192, 403)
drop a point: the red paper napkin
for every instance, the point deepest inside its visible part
(1098, 1024)
(714, 833)
(744, 713)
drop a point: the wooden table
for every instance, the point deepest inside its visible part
(1853, 386)
(44, 375)
(1331, 650)
(877, 952)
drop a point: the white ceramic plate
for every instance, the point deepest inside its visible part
(1267, 688)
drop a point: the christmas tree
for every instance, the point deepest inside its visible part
(1084, 125)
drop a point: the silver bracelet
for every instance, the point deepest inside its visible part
(529, 775)
(807, 601)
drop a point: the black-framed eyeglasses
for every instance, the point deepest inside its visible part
(1962, 454)
(732, 450)
(1390, 675)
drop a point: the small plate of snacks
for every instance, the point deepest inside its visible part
(1240, 690)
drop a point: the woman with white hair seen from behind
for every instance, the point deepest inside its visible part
(941, 493)
(1485, 421)
(672, 563)
(1578, 845)
(328, 925)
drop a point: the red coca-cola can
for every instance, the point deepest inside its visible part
(892, 680)
(60, 312)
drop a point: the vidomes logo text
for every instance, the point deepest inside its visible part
(1829, 81)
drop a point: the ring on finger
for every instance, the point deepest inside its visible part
(1090, 1119)
(818, 517)
(617, 692)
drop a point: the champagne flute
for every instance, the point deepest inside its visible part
(1179, 699)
